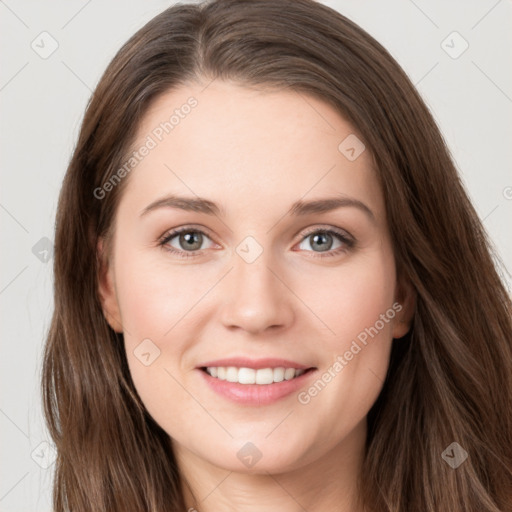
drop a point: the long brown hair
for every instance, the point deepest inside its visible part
(450, 377)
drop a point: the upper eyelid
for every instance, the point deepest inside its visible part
(309, 231)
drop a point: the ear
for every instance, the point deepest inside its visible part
(107, 289)
(406, 297)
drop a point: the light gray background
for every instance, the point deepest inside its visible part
(42, 104)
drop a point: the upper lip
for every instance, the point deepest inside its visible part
(245, 362)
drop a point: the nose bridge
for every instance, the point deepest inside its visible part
(251, 270)
(257, 298)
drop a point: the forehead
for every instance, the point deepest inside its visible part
(243, 146)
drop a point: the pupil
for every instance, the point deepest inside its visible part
(320, 237)
(191, 239)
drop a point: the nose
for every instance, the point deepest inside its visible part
(256, 296)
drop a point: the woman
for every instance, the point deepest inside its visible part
(204, 354)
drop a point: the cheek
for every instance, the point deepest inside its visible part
(156, 297)
(168, 303)
(356, 308)
(351, 298)
(161, 302)
(164, 301)
(157, 302)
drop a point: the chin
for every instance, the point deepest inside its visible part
(253, 457)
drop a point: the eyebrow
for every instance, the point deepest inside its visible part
(299, 208)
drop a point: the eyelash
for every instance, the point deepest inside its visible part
(349, 242)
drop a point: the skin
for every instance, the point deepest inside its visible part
(255, 152)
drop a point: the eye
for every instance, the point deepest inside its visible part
(190, 240)
(323, 240)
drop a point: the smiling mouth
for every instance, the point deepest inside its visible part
(263, 376)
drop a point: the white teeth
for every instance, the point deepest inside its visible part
(289, 373)
(265, 376)
(247, 376)
(252, 376)
(231, 374)
(278, 374)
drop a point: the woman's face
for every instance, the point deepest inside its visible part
(253, 277)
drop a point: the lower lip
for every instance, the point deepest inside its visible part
(255, 394)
